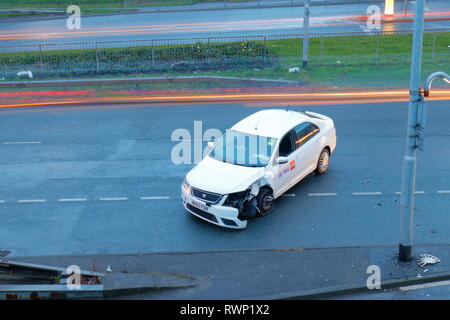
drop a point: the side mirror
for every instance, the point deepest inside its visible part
(210, 145)
(282, 160)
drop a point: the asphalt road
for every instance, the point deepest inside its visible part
(218, 23)
(99, 179)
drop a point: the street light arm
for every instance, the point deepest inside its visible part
(431, 78)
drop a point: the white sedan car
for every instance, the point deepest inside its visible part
(255, 162)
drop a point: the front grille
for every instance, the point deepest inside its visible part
(202, 213)
(206, 196)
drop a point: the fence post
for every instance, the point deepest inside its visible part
(433, 54)
(153, 54)
(97, 60)
(320, 50)
(305, 56)
(41, 62)
(378, 47)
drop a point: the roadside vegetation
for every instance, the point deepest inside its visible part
(31, 8)
(97, 4)
(367, 60)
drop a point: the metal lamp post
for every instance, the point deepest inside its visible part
(416, 119)
(416, 125)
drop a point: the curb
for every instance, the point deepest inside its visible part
(88, 82)
(331, 292)
(116, 293)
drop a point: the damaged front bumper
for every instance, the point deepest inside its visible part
(217, 214)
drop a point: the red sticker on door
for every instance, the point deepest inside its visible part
(292, 163)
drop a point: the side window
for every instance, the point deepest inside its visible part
(286, 146)
(304, 132)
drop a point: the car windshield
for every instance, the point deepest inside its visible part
(244, 149)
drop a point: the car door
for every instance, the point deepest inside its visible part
(306, 148)
(284, 173)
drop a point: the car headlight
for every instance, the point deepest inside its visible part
(186, 186)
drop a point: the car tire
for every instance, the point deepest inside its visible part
(323, 162)
(265, 201)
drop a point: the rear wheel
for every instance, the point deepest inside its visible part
(265, 201)
(323, 162)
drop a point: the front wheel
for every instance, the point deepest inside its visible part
(265, 201)
(323, 162)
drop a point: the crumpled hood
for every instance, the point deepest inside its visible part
(221, 177)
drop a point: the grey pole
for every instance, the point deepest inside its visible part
(305, 34)
(409, 163)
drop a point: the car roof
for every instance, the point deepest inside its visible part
(270, 123)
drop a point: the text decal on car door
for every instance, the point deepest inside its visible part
(283, 171)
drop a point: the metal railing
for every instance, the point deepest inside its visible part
(199, 55)
(132, 4)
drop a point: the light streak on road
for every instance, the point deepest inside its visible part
(239, 25)
(37, 104)
(256, 99)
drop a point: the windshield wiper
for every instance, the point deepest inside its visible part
(249, 165)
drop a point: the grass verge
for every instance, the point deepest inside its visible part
(361, 61)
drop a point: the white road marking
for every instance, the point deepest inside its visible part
(415, 192)
(72, 199)
(366, 193)
(114, 199)
(318, 194)
(22, 142)
(425, 285)
(155, 198)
